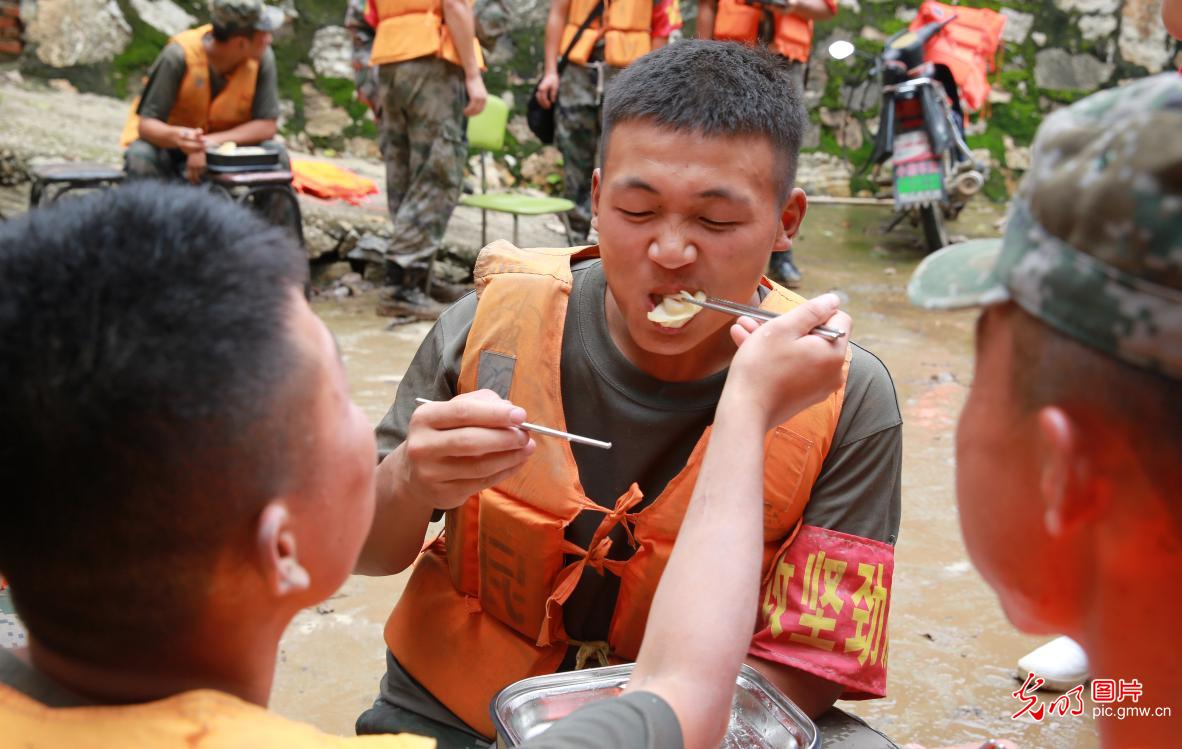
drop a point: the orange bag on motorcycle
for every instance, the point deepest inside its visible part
(967, 46)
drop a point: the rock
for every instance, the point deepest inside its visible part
(1017, 157)
(286, 112)
(1039, 39)
(77, 32)
(497, 177)
(812, 137)
(871, 34)
(322, 118)
(850, 5)
(1058, 70)
(164, 15)
(14, 168)
(1018, 25)
(847, 129)
(998, 96)
(906, 14)
(61, 85)
(1088, 6)
(1097, 27)
(818, 78)
(520, 129)
(371, 249)
(985, 156)
(364, 148)
(866, 96)
(323, 275)
(824, 174)
(332, 53)
(304, 72)
(318, 242)
(1144, 40)
(539, 166)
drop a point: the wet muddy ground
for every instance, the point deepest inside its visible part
(952, 652)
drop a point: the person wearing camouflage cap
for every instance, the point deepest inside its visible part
(1067, 450)
(210, 85)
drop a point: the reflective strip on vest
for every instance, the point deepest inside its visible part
(490, 592)
(738, 22)
(233, 106)
(626, 30)
(410, 29)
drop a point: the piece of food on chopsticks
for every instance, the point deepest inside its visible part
(674, 312)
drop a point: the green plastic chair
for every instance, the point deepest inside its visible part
(486, 132)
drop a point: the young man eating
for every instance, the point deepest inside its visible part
(552, 553)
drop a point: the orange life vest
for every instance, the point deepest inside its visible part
(626, 30)
(212, 720)
(738, 22)
(483, 606)
(409, 29)
(232, 107)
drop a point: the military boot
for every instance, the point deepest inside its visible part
(782, 269)
(407, 296)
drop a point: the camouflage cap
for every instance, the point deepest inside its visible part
(1093, 247)
(245, 15)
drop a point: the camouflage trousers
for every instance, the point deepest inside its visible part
(578, 128)
(424, 145)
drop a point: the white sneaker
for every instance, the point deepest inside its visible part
(1061, 662)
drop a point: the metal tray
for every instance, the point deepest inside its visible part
(761, 716)
(252, 161)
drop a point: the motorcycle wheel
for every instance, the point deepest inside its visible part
(935, 235)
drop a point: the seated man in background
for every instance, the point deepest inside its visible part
(184, 470)
(1067, 450)
(211, 85)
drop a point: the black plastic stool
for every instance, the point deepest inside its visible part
(52, 181)
(247, 187)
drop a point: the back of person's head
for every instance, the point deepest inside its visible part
(146, 374)
(1092, 257)
(715, 89)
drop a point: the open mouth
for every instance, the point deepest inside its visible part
(671, 310)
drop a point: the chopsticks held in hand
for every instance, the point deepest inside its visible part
(551, 432)
(739, 310)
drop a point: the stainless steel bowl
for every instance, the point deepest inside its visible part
(761, 716)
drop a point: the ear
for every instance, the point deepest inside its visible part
(1064, 474)
(276, 547)
(596, 183)
(790, 218)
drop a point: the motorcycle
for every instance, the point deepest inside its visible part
(921, 133)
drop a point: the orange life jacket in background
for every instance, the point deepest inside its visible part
(738, 22)
(968, 46)
(626, 30)
(483, 607)
(213, 720)
(234, 103)
(409, 29)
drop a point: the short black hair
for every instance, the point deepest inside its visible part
(146, 364)
(714, 89)
(226, 33)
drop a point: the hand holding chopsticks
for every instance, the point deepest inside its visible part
(551, 432)
(740, 310)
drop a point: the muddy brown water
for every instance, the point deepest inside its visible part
(952, 652)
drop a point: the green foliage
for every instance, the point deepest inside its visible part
(146, 43)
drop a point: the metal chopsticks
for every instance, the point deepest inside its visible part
(551, 432)
(736, 309)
